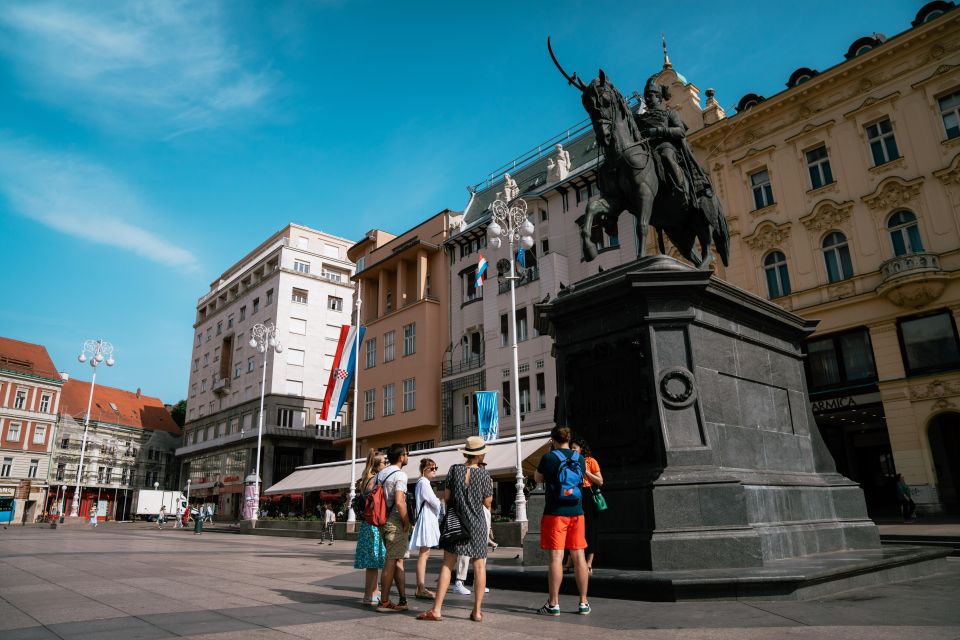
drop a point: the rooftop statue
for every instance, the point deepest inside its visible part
(510, 188)
(648, 170)
(559, 167)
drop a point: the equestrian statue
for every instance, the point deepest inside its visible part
(648, 170)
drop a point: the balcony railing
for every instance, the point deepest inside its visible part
(471, 363)
(909, 264)
(460, 431)
(312, 431)
(530, 275)
(221, 386)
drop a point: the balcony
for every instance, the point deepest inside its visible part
(459, 431)
(452, 368)
(912, 280)
(314, 432)
(532, 274)
(221, 386)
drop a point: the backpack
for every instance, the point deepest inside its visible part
(375, 510)
(412, 511)
(569, 478)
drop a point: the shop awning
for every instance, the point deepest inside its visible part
(501, 460)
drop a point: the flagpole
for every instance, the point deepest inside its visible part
(351, 516)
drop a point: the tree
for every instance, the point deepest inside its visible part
(179, 412)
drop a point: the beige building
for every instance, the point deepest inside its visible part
(299, 280)
(403, 289)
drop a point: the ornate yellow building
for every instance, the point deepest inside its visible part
(842, 194)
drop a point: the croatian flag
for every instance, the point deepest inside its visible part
(481, 272)
(340, 374)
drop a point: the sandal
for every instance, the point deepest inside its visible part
(429, 615)
(426, 594)
(476, 617)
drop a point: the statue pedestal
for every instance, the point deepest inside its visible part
(692, 395)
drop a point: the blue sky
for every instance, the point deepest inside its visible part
(147, 145)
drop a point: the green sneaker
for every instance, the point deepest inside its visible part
(548, 610)
(584, 609)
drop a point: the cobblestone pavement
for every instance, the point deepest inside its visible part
(133, 581)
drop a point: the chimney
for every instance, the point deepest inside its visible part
(138, 392)
(64, 376)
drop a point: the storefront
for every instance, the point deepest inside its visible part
(8, 504)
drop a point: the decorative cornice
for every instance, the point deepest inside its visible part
(768, 235)
(810, 128)
(871, 100)
(939, 71)
(951, 173)
(893, 192)
(754, 152)
(935, 389)
(827, 214)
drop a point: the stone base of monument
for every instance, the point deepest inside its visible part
(692, 395)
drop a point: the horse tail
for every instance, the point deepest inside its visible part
(721, 238)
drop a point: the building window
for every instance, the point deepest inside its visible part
(256, 305)
(904, 233)
(332, 276)
(269, 297)
(39, 434)
(565, 201)
(285, 417)
(541, 391)
(544, 216)
(299, 296)
(470, 281)
(301, 266)
(230, 321)
(108, 476)
(100, 471)
(196, 364)
(61, 470)
(334, 303)
(32, 469)
(200, 338)
(296, 357)
(545, 246)
(409, 394)
(219, 327)
(521, 324)
(243, 312)
(389, 391)
(389, 346)
(836, 255)
(251, 364)
(524, 395)
(206, 359)
(6, 467)
(819, 166)
(20, 400)
(237, 370)
(840, 359)
(883, 145)
(929, 343)
(762, 190)
(193, 390)
(389, 302)
(371, 353)
(297, 326)
(203, 385)
(506, 397)
(369, 404)
(504, 330)
(950, 112)
(410, 339)
(294, 387)
(13, 432)
(778, 278)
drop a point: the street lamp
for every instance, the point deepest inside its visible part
(263, 338)
(351, 516)
(99, 351)
(509, 220)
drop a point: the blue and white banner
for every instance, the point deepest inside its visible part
(341, 372)
(488, 415)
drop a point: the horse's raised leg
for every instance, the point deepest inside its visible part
(596, 207)
(647, 196)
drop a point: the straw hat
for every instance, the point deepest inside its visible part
(475, 446)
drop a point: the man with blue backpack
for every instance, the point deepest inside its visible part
(562, 525)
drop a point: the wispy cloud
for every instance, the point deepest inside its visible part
(138, 64)
(83, 199)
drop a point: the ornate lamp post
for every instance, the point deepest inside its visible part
(263, 339)
(509, 220)
(100, 351)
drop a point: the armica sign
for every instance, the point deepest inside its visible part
(844, 403)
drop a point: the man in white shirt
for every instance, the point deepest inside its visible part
(396, 531)
(329, 517)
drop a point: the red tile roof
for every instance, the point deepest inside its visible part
(24, 357)
(128, 408)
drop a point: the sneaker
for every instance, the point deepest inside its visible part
(402, 604)
(389, 607)
(458, 588)
(549, 610)
(584, 609)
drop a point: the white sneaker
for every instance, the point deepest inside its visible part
(460, 589)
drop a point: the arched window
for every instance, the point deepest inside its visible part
(778, 278)
(904, 233)
(836, 256)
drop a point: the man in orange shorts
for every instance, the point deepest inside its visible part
(562, 527)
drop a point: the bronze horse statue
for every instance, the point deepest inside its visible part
(628, 180)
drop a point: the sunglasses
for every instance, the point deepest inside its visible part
(431, 469)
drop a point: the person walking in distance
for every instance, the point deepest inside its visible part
(178, 524)
(162, 517)
(469, 490)
(329, 518)
(370, 552)
(396, 530)
(908, 507)
(426, 532)
(562, 526)
(198, 515)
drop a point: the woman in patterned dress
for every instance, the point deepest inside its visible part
(370, 551)
(468, 490)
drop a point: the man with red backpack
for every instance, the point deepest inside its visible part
(395, 532)
(562, 525)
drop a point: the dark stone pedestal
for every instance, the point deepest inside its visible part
(692, 394)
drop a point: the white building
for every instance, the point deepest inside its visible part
(299, 280)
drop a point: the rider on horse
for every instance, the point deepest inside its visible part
(666, 132)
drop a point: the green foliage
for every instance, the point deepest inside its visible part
(179, 412)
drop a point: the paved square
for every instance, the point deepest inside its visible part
(133, 581)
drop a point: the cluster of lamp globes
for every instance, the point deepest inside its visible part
(274, 343)
(525, 230)
(96, 359)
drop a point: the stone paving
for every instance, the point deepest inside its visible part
(133, 581)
